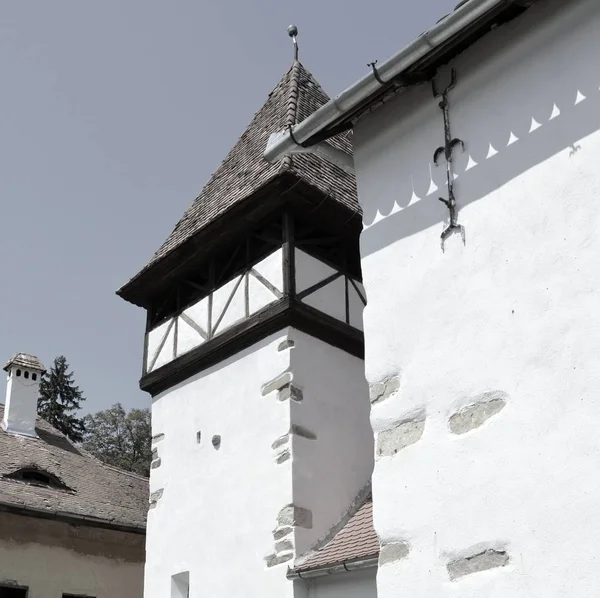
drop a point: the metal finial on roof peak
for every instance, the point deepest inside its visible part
(293, 33)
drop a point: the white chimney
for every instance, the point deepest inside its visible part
(23, 382)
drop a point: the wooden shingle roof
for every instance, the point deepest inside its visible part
(87, 490)
(244, 171)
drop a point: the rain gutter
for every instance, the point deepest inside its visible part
(301, 134)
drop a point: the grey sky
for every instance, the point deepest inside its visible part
(113, 115)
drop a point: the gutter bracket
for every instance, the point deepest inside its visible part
(323, 150)
(449, 144)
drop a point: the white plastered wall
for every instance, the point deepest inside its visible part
(292, 414)
(331, 470)
(52, 558)
(513, 315)
(355, 584)
(218, 507)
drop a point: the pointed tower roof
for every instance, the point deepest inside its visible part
(244, 172)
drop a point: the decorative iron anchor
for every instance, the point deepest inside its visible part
(447, 149)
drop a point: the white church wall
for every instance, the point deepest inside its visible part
(483, 359)
(332, 439)
(217, 501)
(52, 559)
(355, 584)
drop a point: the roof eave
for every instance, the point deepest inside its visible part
(431, 49)
(72, 518)
(334, 568)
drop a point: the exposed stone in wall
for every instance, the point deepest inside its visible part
(280, 441)
(283, 456)
(294, 515)
(277, 559)
(155, 459)
(157, 438)
(277, 383)
(472, 416)
(155, 497)
(289, 391)
(282, 532)
(394, 551)
(303, 432)
(384, 389)
(393, 440)
(216, 441)
(287, 344)
(482, 561)
(284, 545)
(198, 436)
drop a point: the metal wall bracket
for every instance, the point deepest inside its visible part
(449, 144)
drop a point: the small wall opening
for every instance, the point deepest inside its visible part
(180, 585)
(13, 591)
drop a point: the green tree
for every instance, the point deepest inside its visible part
(121, 439)
(60, 399)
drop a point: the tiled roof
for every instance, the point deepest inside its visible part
(95, 491)
(26, 361)
(357, 540)
(244, 171)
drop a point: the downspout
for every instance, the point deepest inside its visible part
(341, 568)
(285, 142)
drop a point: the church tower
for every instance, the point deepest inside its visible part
(253, 357)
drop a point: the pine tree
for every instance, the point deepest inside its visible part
(60, 399)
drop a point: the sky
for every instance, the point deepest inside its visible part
(113, 115)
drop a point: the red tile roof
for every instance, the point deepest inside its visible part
(357, 540)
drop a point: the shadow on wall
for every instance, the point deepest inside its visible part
(535, 94)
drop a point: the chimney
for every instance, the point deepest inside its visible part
(23, 382)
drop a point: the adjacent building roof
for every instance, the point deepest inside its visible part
(25, 361)
(85, 489)
(356, 541)
(244, 171)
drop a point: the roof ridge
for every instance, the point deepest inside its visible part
(292, 107)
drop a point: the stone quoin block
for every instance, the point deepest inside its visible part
(394, 551)
(155, 497)
(402, 435)
(280, 441)
(277, 383)
(472, 416)
(283, 456)
(482, 561)
(380, 391)
(292, 515)
(289, 391)
(282, 532)
(157, 438)
(284, 345)
(155, 464)
(277, 559)
(284, 546)
(302, 431)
